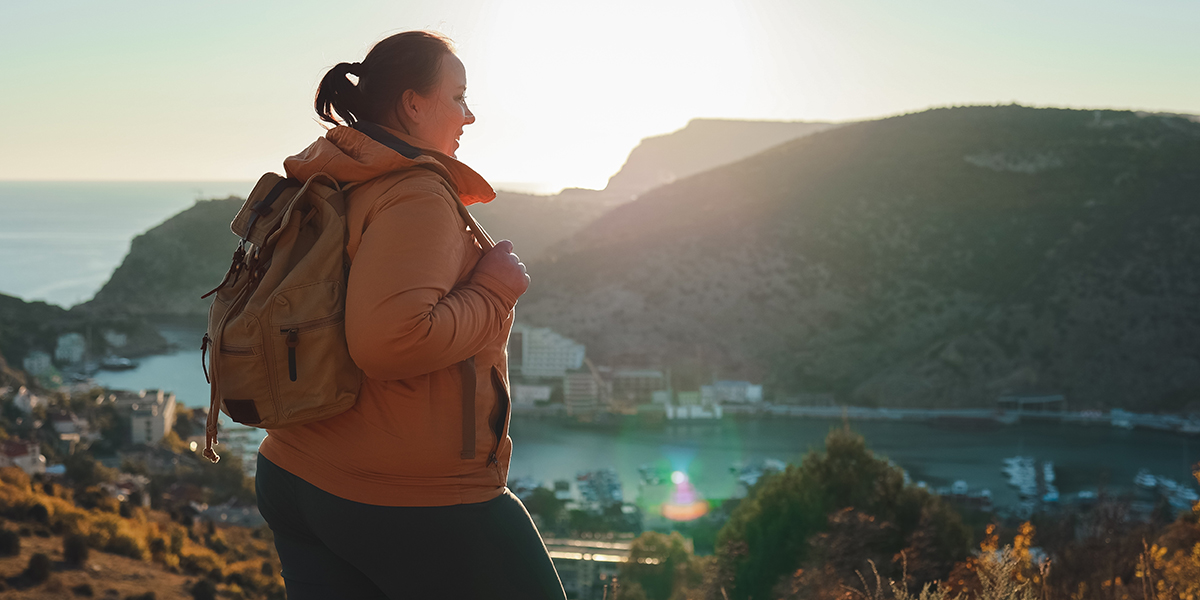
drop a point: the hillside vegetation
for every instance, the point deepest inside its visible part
(935, 259)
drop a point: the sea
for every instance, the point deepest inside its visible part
(59, 242)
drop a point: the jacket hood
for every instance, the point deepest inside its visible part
(367, 150)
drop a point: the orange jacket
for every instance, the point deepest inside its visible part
(415, 308)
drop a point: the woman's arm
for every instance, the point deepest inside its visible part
(404, 315)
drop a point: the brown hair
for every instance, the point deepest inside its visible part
(406, 61)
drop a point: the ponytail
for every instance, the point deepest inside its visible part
(406, 61)
(338, 95)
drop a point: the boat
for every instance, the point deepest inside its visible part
(750, 472)
(1145, 480)
(959, 488)
(1051, 494)
(117, 363)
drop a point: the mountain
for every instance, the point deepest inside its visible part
(170, 266)
(702, 145)
(535, 222)
(941, 258)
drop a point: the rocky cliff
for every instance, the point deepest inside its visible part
(935, 259)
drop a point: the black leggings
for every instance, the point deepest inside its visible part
(331, 547)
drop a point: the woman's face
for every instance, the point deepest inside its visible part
(439, 117)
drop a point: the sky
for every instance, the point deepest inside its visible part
(562, 90)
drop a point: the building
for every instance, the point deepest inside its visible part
(732, 392)
(26, 456)
(26, 400)
(693, 405)
(583, 392)
(70, 349)
(638, 385)
(36, 363)
(530, 395)
(694, 411)
(151, 413)
(540, 352)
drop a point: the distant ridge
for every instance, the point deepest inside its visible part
(702, 145)
(934, 259)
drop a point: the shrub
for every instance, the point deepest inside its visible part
(83, 589)
(38, 569)
(10, 543)
(125, 545)
(39, 513)
(199, 563)
(75, 550)
(15, 477)
(204, 590)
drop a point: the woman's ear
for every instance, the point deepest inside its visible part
(410, 108)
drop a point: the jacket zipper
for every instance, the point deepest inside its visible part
(502, 392)
(293, 337)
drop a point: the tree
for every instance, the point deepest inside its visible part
(85, 472)
(768, 535)
(659, 565)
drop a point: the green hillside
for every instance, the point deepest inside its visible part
(935, 259)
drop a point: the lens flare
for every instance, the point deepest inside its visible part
(685, 503)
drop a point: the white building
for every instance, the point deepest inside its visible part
(26, 400)
(694, 411)
(25, 455)
(70, 349)
(529, 395)
(540, 352)
(152, 417)
(36, 362)
(732, 392)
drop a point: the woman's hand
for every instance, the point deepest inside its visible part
(502, 264)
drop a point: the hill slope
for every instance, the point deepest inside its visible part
(938, 259)
(170, 266)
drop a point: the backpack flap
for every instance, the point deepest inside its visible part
(263, 210)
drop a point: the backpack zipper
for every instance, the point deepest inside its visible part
(293, 336)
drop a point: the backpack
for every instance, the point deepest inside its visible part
(276, 327)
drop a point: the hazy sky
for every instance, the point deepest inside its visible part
(562, 90)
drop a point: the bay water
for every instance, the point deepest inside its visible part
(61, 240)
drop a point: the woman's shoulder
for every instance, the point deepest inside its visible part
(409, 186)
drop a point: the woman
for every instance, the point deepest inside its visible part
(403, 495)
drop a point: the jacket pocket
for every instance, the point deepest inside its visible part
(501, 422)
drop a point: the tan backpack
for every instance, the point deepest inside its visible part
(276, 327)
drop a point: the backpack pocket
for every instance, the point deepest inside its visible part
(304, 351)
(246, 393)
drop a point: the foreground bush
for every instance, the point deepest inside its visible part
(75, 550)
(10, 542)
(38, 569)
